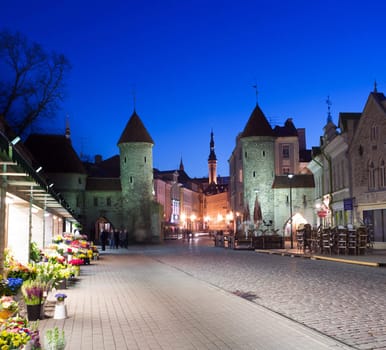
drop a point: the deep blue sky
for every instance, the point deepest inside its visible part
(192, 65)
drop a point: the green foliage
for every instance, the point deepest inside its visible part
(34, 252)
(55, 339)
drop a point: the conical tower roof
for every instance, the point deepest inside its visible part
(135, 131)
(257, 125)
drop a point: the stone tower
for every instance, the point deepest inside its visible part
(212, 162)
(258, 165)
(136, 166)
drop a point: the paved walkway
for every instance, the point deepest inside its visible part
(127, 300)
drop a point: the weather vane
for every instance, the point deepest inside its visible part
(256, 92)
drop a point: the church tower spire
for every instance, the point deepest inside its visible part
(212, 162)
(182, 168)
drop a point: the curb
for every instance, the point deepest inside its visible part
(319, 257)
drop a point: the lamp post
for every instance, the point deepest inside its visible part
(290, 176)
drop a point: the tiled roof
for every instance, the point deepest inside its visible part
(107, 168)
(257, 125)
(345, 116)
(287, 130)
(135, 131)
(55, 153)
(282, 181)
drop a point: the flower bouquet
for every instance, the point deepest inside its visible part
(8, 306)
(14, 333)
(76, 262)
(60, 297)
(32, 291)
(13, 339)
(10, 286)
(57, 239)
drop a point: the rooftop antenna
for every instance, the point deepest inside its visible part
(329, 117)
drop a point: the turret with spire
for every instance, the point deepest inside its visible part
(136, 170)
(330, 129)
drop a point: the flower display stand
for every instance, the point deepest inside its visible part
(60, 311)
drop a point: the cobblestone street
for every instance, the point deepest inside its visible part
(346, 302)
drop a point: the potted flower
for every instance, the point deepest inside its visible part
(8, 306)
(60, 308)
(60, 297)
(32, 291)
(13, 339)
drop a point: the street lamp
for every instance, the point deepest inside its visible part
(290, 176)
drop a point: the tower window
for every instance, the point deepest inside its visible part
(131, 179)
(254, 174)
(95, 201)
(263, 153)
(144, 158)
(246, 155)
(108, 201)
(285, 151)
(79, 181)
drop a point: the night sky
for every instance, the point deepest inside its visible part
(188, 67)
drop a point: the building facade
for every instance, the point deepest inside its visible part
(262, 196)
(349, 170)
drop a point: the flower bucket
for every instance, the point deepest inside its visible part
(60, 311)
(33, 312)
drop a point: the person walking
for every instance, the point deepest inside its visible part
(116, 238)
(104, 234)
(111, 239)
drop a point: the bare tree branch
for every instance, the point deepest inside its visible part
(32, 85)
